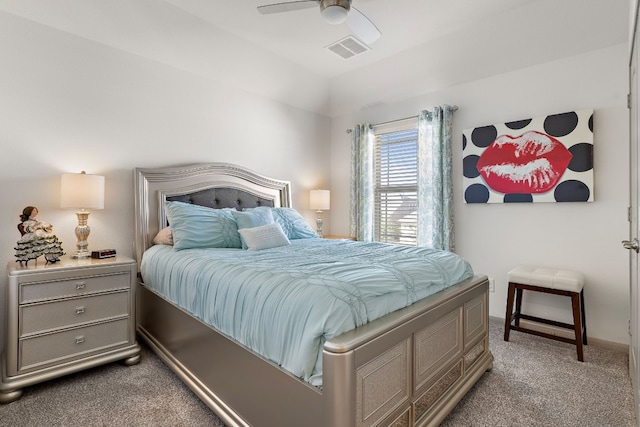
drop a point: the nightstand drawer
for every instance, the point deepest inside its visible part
(66, 313)
(54, 348)
(40, 291)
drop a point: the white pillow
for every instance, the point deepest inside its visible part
(164, 237)
(264, 237)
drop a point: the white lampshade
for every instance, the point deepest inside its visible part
(81, 191)
(320, 200)
(335, 14)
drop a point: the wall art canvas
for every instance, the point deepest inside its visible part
(543, 159)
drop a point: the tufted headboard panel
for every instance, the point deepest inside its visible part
(219, 198)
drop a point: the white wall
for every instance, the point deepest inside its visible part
(72, 103)
(69, 104)
(496, 237)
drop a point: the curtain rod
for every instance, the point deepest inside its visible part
(396, 120)
(452, 107)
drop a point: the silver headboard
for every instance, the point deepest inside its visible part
(153, 186)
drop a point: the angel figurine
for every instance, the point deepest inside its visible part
(37, 239)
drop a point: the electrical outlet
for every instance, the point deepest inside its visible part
(492, 285)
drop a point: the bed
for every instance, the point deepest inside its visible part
(409, 367)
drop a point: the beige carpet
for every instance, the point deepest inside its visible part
(539, 382)
(534, 382)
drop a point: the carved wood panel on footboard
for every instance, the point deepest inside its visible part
(431, 361)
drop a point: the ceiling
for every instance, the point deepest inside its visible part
(426, 45)
(301, 36)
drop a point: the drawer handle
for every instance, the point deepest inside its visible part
(80, 285)
(79, 310)
(80, 339)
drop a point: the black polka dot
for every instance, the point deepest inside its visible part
(484, 136)
(591, 123)
(519, 124)
(561, 124)
(582, 159)
(571, 191)
(476, 193)
(469, 166)
(517, 198)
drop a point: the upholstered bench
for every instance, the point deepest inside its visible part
(549, 281)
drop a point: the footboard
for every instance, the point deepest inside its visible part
(411, 367)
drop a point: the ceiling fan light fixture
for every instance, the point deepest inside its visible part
(336, 11)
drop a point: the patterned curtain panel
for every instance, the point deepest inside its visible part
(362, 182)
(435, 183)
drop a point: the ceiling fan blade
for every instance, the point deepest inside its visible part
(362, 27)
(288, 6)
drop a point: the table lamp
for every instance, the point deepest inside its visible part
(82, 191)
(319, 200)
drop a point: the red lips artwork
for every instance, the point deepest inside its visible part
(531, 163)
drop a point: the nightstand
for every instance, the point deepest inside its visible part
(65, 317)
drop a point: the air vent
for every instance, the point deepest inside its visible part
(348, 47)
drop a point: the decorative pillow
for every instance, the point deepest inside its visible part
(252, 218)
(264, 237)
(164, 237)
(196, 226)
(293, 224)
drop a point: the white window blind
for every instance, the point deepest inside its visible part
(396, 182)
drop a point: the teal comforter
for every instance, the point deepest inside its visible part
(285, 302)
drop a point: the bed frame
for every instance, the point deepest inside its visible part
(408, 368)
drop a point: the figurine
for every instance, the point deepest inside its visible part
(37, 239)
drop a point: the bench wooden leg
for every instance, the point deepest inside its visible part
(584, 319)
(577, 322)
(518, 305)
(508, 316)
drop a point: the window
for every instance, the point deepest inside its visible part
(396, 182)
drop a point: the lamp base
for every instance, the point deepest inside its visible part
(319, 223)
(82, 234)
(81, 255)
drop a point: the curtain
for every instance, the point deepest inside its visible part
(362, 182)
(435, 182)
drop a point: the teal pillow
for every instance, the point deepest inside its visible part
(292, 223)
(252, 218)
(196, 226)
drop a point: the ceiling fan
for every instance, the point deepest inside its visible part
(334, 12)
